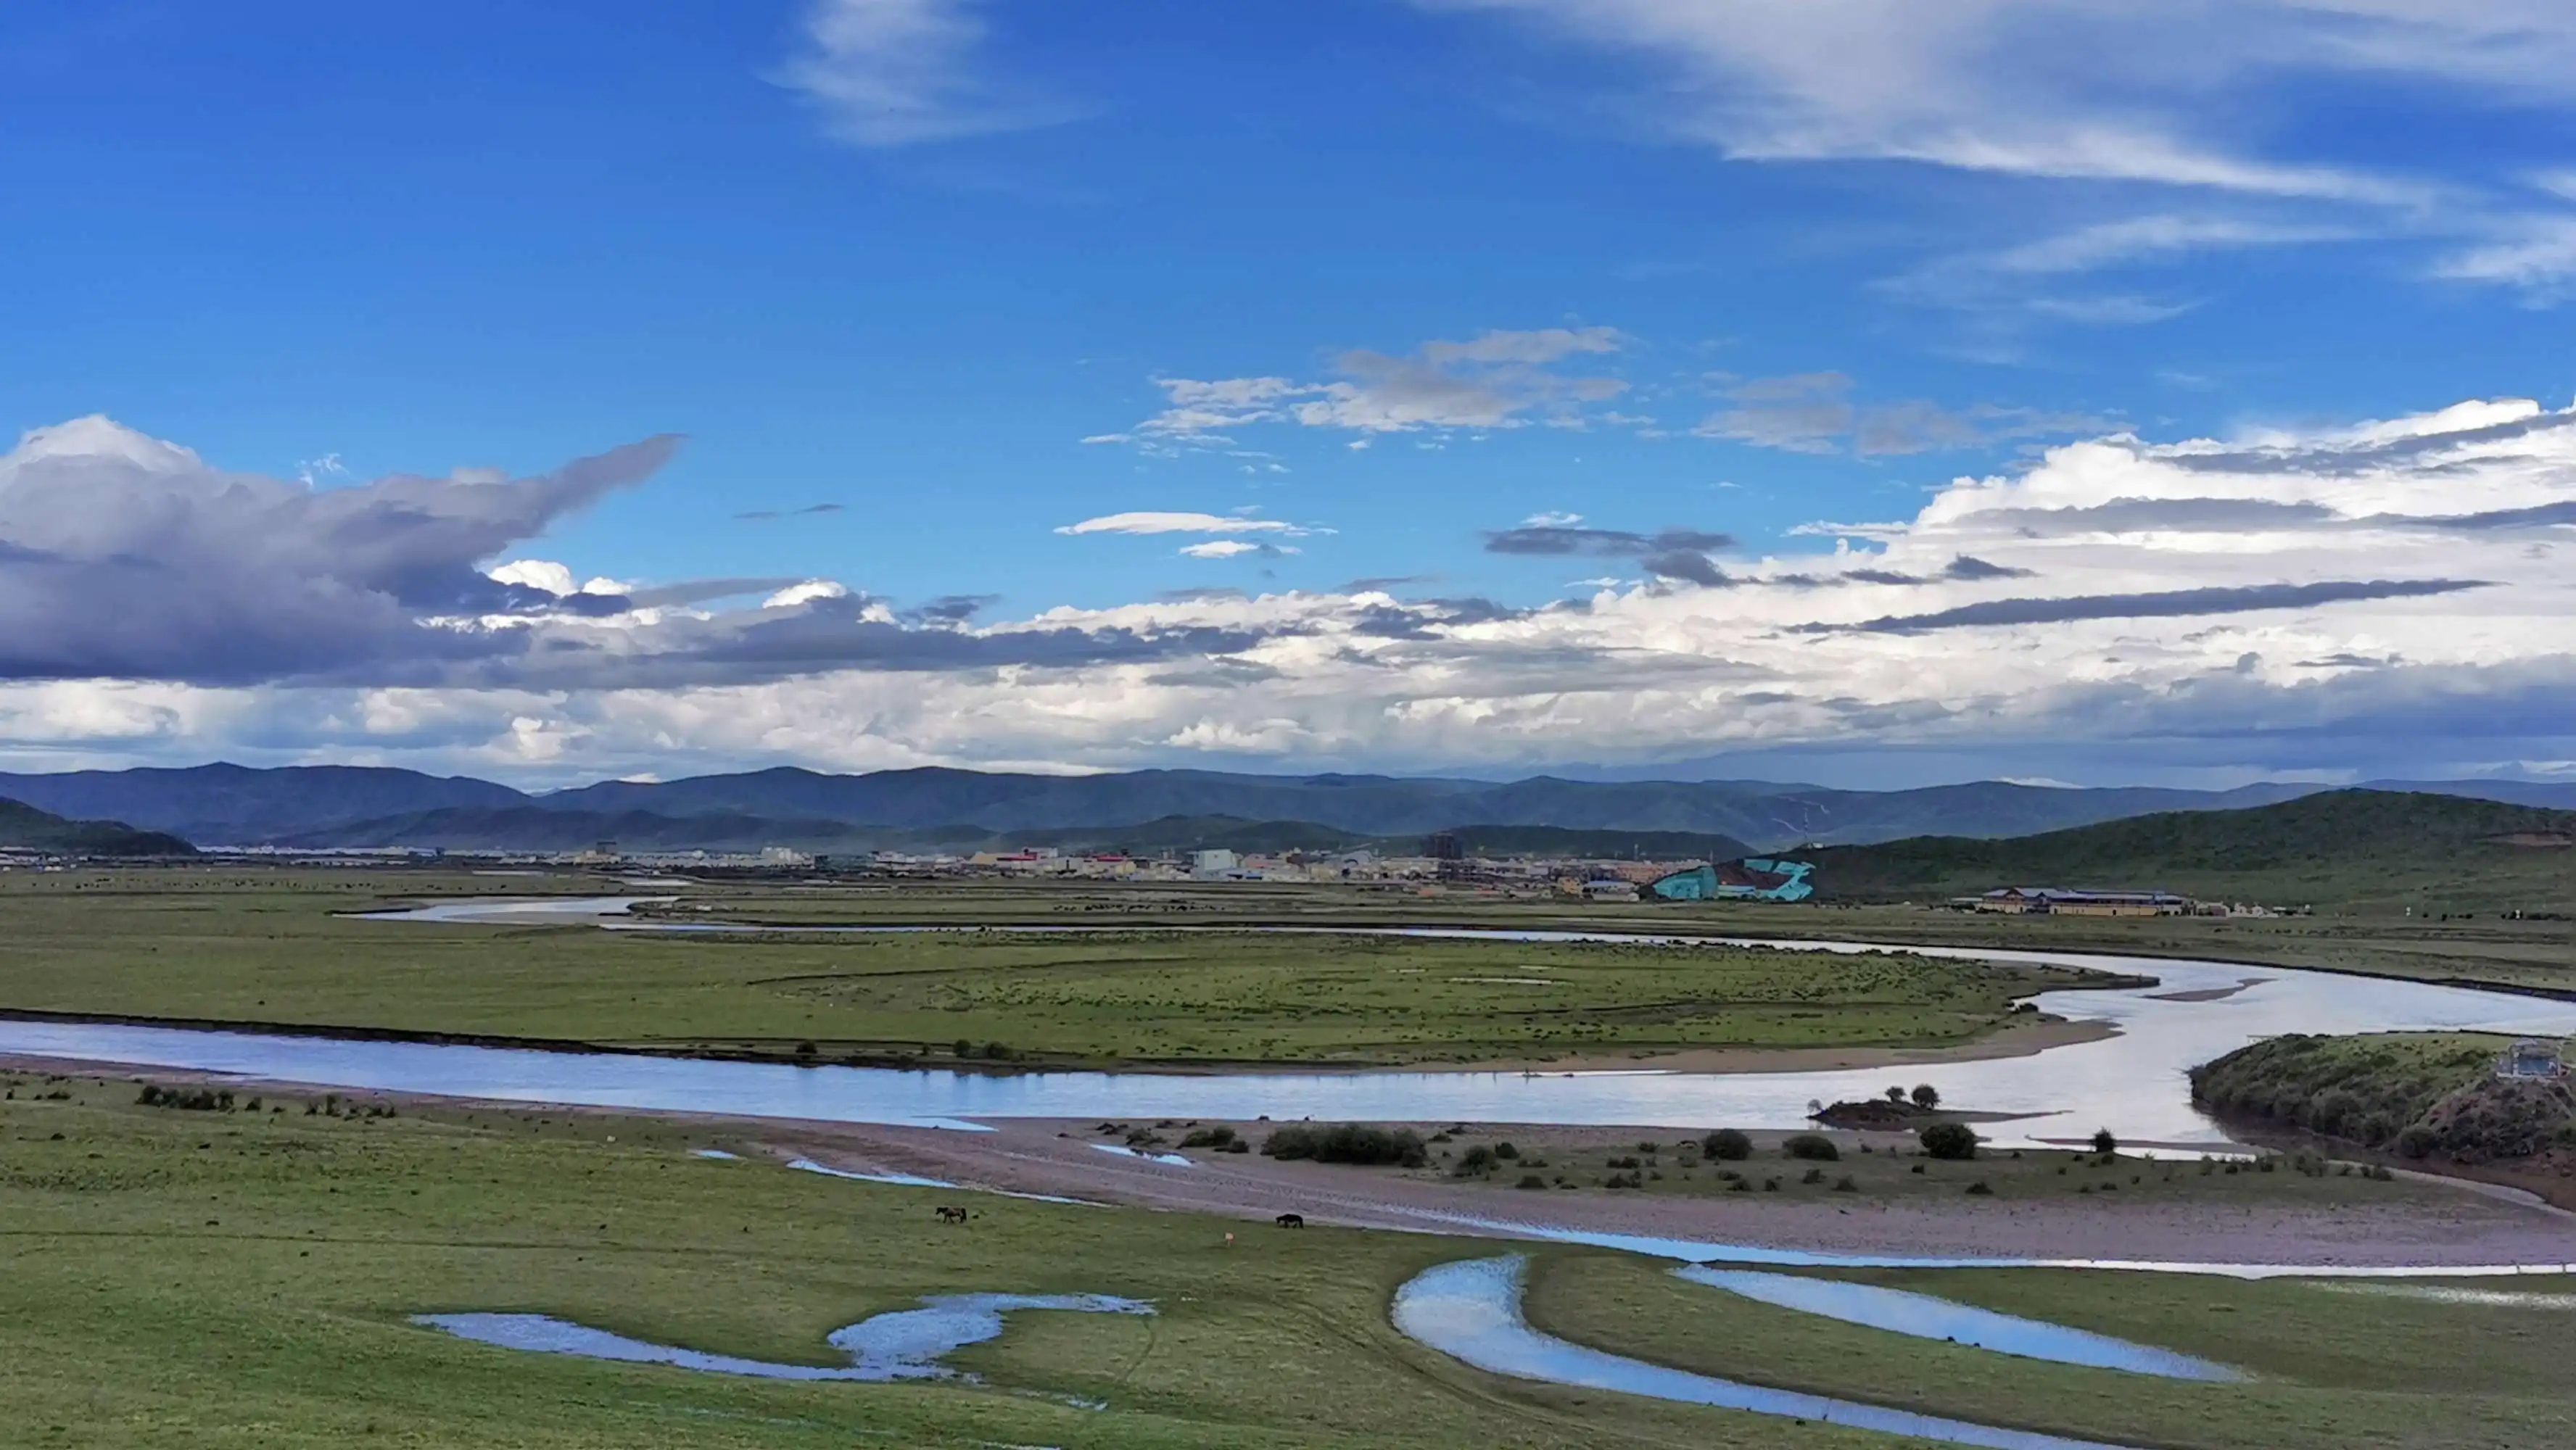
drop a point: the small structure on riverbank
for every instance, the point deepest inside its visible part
(2533, 1059)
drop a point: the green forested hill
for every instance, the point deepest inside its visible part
(2336, 846)
(24, 827)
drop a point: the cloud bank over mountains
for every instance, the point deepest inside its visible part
(2391, 594)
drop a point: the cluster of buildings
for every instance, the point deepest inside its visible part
(2061, 901)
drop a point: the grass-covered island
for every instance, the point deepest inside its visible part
(286, 950)
(2434, 1097)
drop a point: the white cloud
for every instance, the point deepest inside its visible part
(2120, 90)
(1178, 523)
(2389, 596)
(805, 593)
(899, 72)
(1235, 549)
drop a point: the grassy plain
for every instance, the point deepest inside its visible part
(2329, 1368)
(272, 947)
(175, 1278)
(178, 1278)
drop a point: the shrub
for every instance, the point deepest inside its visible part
(1220, 1138)
(1926, 1096)
(1347, 1143)
(998, 1052)
(2104, 1143)
(1728, 1144)
(1506, 1151)
(1531, 1180)
(962, 1048)
(1956, 1141)
(1980, 1189)
(1896, 1094)
(1845, 1184)
(1813, 1146)
(2417, 1141)
(1478, 1160)
(1814, 1175)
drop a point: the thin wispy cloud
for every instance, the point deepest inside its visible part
(889, 73)
(1497, 380)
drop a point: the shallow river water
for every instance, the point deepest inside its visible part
(2133, 1083)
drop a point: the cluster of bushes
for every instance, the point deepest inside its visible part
(2411, 1095)
(991, 1051)
(200, 1100)
(1727, 1145)
(1220, 1138)
(1953, 1141)
(1347, 1143)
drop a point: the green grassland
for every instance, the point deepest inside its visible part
(172, 1278)
(177, 1278)
(2329, 1368)
(272, 948)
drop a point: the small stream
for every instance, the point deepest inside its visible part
(906, 1344)
(1922, 1316)
(1470, 1310)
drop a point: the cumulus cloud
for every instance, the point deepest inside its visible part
(1496, 380)
(124, 557)
(2387, 596)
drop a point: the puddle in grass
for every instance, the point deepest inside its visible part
(1174, 1160)
(906, 1344)
(914, 1180)
(1925, 1317)
(2444, 1294)
(1470, 1310)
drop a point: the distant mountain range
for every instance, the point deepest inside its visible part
(347, 806)
(25, 828)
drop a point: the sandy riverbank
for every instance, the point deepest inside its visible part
(2432, 1223)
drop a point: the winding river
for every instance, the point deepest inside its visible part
(2133, 1082)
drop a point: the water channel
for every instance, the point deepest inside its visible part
(2133, 1082)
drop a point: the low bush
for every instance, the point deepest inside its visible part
(202, 1100)
(1506, 1151)
(1347, 1143)
(1727, 1144)
(1475, 1162)
(1531, 1180)
(1220, 1138)
(1815, 1147)
(1954, 1141)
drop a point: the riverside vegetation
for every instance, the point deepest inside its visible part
(182, 1276)
(277, 947)
(2427, 1096)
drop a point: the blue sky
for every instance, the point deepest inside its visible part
(1323, 294)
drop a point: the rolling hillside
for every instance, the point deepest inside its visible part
(2334, 846)
(25, 828)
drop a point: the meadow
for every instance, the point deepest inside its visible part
(211, 945)
(175, 1277)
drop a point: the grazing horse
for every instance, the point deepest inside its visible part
(1291, 1220)
(951, 1213)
